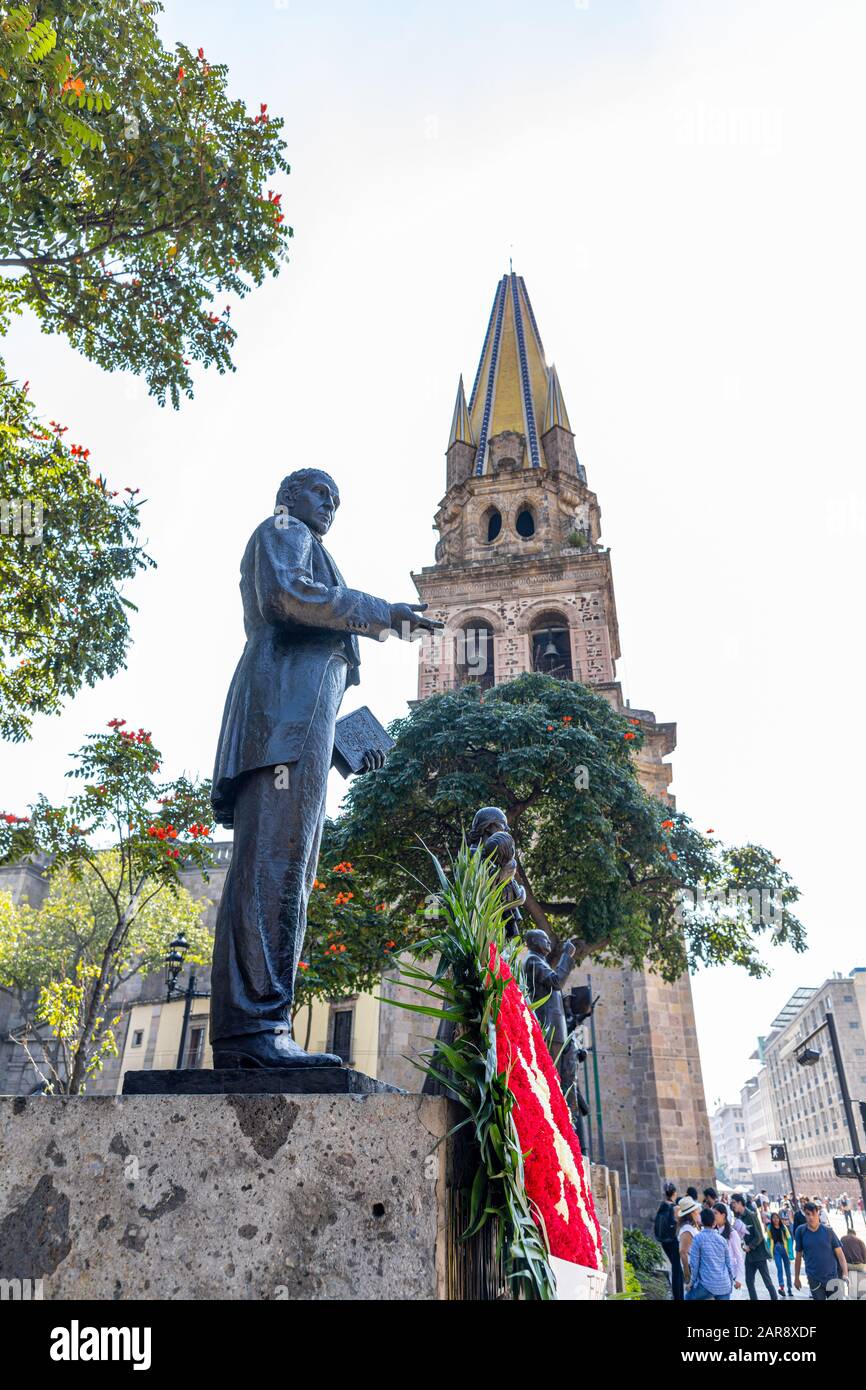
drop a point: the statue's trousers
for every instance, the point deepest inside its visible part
(262, 916)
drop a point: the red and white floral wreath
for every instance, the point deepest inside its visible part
(556, 1172)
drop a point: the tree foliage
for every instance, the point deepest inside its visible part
(133, 189)
(153, 829)
(631, 881)
(352, 937)
(52, 956)
(67, 544)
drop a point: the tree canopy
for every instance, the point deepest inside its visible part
(134, 204)
(51, 957)
(67, 544)
(151, 829)
(602, 861)
(133, 189)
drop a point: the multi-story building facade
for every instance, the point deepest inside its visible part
(759, 1128)
(730, 1154)
(806, 1101)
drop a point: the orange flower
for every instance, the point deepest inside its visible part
(711, 830)
(636, 722)
(550, 728)
(673, 854)
(302, 965)
(628, 737)
(667, 825)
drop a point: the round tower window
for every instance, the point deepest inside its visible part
(525, 524)
(493, 525)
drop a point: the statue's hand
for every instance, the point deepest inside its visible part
(406, 619)
(372, 758)
(569, 949)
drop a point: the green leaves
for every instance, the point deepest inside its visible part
(466, 933)
(67, 546)
(352, 934)
(108, 914)
(133, 188)
(604, 862)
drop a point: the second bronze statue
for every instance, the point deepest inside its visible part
(275, 750)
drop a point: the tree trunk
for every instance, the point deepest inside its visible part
(115, 941)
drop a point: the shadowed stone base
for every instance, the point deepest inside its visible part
(255, 1197)
(286, 1081)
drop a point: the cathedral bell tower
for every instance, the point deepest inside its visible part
(521, 579)
(523, 583)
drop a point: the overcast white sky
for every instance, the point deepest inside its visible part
(681, 184)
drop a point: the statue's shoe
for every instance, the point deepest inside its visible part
(276, 1048)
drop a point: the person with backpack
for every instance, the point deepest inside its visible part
(755, 1248)
(665, 1232)
(820, 1248)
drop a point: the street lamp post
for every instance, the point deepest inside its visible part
(807, 1057)
(174, 959)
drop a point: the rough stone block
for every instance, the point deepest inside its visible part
(257, 1197)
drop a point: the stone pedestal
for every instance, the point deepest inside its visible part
(285, 1081)
(259, 1197)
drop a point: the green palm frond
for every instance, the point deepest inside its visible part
(468, 932)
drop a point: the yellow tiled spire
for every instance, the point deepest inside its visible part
(555, 412)
(461, 426)
(511, 384)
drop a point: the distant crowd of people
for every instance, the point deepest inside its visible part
(716, 1246)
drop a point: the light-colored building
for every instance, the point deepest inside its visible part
(730, 1153)
(759, 1134)
(806, 1101)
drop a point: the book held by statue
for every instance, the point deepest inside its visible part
(354, 735)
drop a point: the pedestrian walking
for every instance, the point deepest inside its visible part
(754, 1247)
(845, 1208)
(711, 1263)
(688, 1224)
(821, 1250)
(665, 1232)
(781, 1246)
(725, 1227)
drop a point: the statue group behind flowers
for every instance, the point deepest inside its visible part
(542, 981)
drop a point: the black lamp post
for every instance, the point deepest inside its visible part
(174, 959)
(808, 1057)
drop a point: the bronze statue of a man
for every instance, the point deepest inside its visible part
(275, 750)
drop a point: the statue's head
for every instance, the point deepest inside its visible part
(312, 496)
(538, 940)
(485, 822)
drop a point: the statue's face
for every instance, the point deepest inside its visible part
(538, 941)
(316, 502)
